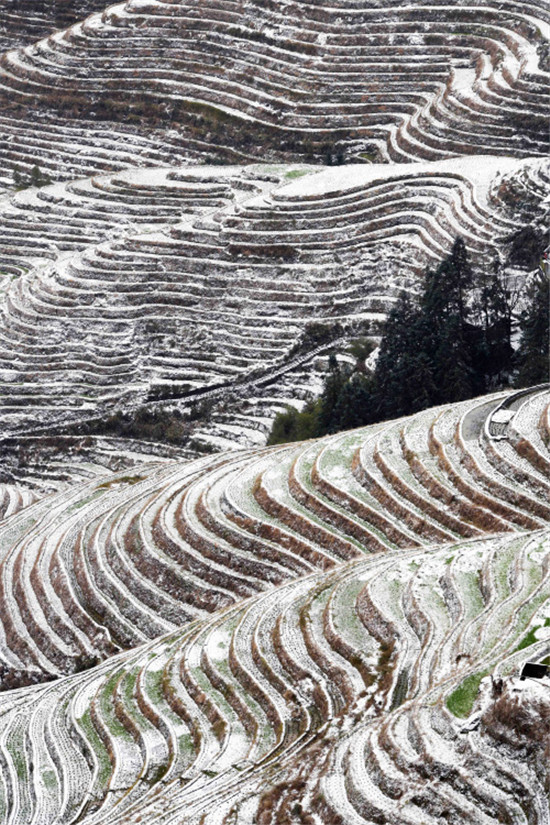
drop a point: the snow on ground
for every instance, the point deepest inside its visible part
(479, 169)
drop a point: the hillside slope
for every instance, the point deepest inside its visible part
(165, 283)
(122, 559)
(22, 22)
(200, 200)
(152, 82)
(339, 696)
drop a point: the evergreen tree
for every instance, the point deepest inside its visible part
(453, 374)
(334, 382)
(454, 343)
(422, 390)
(36, 177)
(354, 406)
(533, 356)
(446, 289)
(395, 378)
(446, 335)
(493, 345)
(292, 425)
(460, 279)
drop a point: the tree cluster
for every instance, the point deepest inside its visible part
(36, 178)
(533, 353)
(452, 343)
(146, 424)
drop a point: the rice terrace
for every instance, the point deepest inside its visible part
(274, 412)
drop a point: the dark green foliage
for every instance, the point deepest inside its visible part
(533, 356)
(149, 425)
(334, 385)
(494, 352)
(401, 360)
(296, 426)
(317, 333)
(334, 155)
(445, 338)
(345, 402)
(85, 661)
(353, 406)
(36, 178)
(455, 342)
(361, 349)
(527, 246)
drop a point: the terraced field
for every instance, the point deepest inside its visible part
(199, 200)
(299, 629)
(141, 81)
(170, 283)
(141, 554)
(137, 278)
(22, 23)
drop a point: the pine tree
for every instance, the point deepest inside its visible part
(395, 378)
(421, 390)
(355, 403)
(493, 342)
(447, 335)
(35, 176)
(533, 356)
(452, 344)
(461, 279)
(453, 374)
(334, 382)
(38, 178)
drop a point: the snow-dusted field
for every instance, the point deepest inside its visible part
(334, 627)
(118, 559)
(196, 629)
(123, 288)
(147, 82)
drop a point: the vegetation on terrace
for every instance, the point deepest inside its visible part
(326, 632)
(452, 343)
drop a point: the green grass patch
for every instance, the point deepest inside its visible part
(472, 587)
(86, 500)
(186, 746)
(19, 763)
(153, 682)
(297, 173)
(110, 718)
(49, 779)
(97, 746)
(530, 638)
(461, 700)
